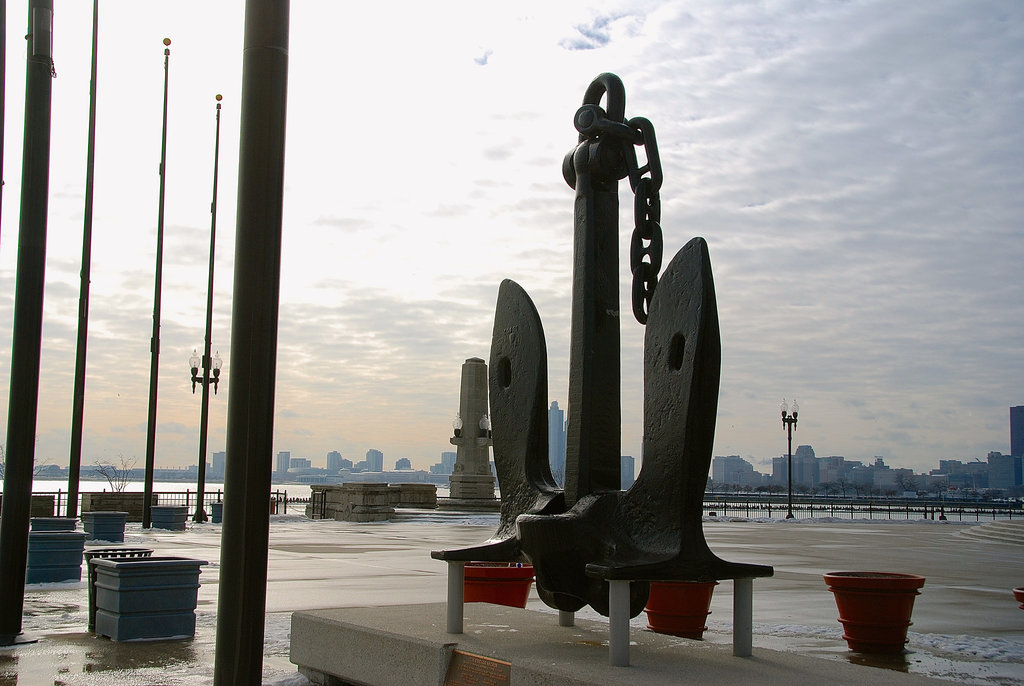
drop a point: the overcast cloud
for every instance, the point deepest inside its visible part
(854, 166)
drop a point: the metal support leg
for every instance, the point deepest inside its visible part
(742, 617)
(618, 623)
(456, 595)
(566, 618)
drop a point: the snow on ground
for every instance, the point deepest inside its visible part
(967, 627)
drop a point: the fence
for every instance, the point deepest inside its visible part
(278, 500)
(717, 505)
(864, 508)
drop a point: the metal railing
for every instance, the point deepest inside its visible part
(278, 500)
(863, 508)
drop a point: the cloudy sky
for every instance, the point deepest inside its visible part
(856, 168)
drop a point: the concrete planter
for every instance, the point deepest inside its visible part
(147, 599)
(54, 556)
(111, 554)
(497, 583)
(170, 517)
(875, 608)
(217, 512)
(104, 526)
(679, 608)
(53, 523)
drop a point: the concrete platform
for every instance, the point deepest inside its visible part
(408, 645)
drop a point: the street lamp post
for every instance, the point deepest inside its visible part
(208, 363)
(789, 423)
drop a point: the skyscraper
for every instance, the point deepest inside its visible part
(556, 442)
(1017, 430)
(284, 460)
(374, 460)
(219, 460)
(333, 461)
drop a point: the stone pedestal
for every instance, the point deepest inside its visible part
(472, 479)
(422, 496)
(359, 502)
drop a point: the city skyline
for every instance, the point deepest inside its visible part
(853, 166)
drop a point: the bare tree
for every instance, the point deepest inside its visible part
(117, 476)
(907, 482)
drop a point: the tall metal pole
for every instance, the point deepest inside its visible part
(3, 82)
(28, 322)
(78, 403)
(204, 413)
(256, 295)
(154, 344)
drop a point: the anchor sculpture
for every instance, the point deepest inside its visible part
(590, 534)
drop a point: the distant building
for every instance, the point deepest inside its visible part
(447, 463)
(403, 463)
(1017, 431)
(374, 460)
(219, 463)
(961, 475)
(805, 467)
(1004, 471)
(284, 459)
(300, 463)
(627, 468)
(735, 471)
(832, 469)
(556, 442)
(334, 461)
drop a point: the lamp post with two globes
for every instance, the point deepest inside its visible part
(789, 423)
(209, 364)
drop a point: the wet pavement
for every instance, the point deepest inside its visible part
(967, 627)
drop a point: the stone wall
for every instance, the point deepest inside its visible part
(42, 506)
(116, 502)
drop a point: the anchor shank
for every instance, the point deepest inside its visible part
(593, 434)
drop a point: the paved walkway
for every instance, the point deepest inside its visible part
(967, 627)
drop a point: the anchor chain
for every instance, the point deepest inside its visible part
(646, 244)
(598, 127)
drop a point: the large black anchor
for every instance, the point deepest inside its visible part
(583, 536)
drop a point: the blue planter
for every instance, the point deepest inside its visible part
(146, 599)
(171, 517)
(217, 512)
(110, 554)
(104, 526)
(53, 523)
(54, 556)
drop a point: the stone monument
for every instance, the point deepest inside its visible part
(472, 483)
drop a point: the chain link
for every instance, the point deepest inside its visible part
(646, 244)
(596, 125)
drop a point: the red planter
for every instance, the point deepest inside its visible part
(875, 608)
(679, 608)
(498, 583)
(1018, 595)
